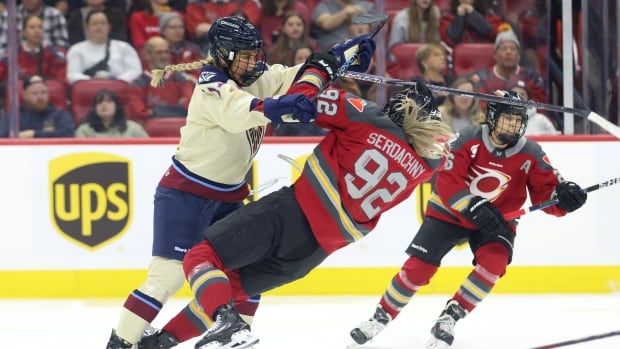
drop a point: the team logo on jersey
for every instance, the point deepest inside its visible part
(487, 182)
(474, 150)
(357, 103)
(90, 197)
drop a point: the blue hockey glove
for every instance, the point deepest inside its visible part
(571, 196)
(363, 45)
(279, 108)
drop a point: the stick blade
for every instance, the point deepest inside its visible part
(605, 124)
(369, 18)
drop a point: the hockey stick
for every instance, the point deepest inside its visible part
(589, 115)
(291, 161)
(368, 18)
(580, 340)
(554, 201)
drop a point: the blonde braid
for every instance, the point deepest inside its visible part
(430, 138)
(158, 74)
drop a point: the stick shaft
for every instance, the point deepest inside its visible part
(580, 340)
(589, 115)
(520, 212)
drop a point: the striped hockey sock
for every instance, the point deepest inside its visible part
(144, 306)
(414, 274)
(210, 286)
(189, 323)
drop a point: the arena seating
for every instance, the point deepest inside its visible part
(164, 126)
(57, 91)
(470, 57)
(404, 67)
(83, 91)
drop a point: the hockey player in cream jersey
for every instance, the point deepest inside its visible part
(231, 105)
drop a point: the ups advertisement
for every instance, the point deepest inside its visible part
(90, 197)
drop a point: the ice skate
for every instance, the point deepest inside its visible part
(116, 342)
(228, 331)
(367, 330)
(442, 333)
(157, 340)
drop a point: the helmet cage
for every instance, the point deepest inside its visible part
(506, 132)
(230, 35)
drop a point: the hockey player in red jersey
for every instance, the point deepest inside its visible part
(369, 161)
(487, 174)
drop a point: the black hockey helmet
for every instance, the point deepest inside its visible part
(505, 132)
(423, 98)
(229, 35)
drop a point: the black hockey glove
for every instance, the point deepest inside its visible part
(571, 196)
(486, 217)
(323, 61)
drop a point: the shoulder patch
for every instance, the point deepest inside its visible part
(357, 103)
(210, 74)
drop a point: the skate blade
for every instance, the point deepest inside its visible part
(241, 340)
(435, 343)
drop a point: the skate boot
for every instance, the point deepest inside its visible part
(158, 340)
(116, 342)
(367, 330)
(442, 333)
(228, 331)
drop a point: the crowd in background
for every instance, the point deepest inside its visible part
(69, 43)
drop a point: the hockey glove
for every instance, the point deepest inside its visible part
(297, 105)
(363, 45)
(571, 196)
(486, 217)
(323, 61)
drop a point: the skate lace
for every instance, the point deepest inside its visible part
(446, 324)
(371, 327)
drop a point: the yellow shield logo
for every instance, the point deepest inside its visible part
(90, 197)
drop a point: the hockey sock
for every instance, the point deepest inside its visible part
(414, 274)
(491, 261)
(138, 311)
(210, 286)
(189, 323)
(247, 308)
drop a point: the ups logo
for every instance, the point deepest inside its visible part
(90, 200)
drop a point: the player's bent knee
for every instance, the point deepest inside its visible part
(493, 257)
(418, 271)
(201, 253)
(164, 279)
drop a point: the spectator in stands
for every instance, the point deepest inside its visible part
(106, 119)
(418, 23)
(77, 21)
(432, 63)
(54, 23)
(331, 18)
(507, 72)
(34, 56)
(201, 13)
(144, 24)
(145, 101)
(301, 54)
(38, 118)
(273, 13)
(469, 21)
(172, 29)
(460, 112)
(292, 35)
(100, 57)
(537, 123)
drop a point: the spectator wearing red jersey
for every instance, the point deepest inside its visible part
(469, 21)
(274, 12)
(77, 21)
(172, 29)
(507, 72)
(145, 101)
(34, 57)
(201, 13)
(144, 24)
(292, 35)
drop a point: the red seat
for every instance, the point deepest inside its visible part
(164, 126)
(470, 57)
(404, 68)
(83, 91)
(395, 5)
(57, 92)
